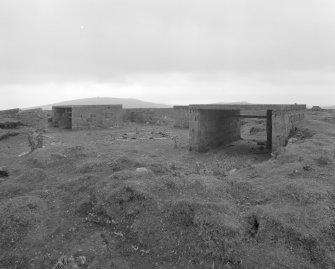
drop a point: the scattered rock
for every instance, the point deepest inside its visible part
(23, 154)
(142, 170)
(81, 260)
(65, 262)
(232, 171)
(163, 134)
(307, 168)
(3, 172)
(255, 130)
(123, 163)
(294, 173)
(292, 140)
(301, 133)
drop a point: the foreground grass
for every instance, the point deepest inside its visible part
(82, 201)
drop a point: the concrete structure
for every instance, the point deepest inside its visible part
(181, 116)
(215, 125)
(86, 116)
(160, 116)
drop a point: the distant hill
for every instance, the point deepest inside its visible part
(125, 102)
(328, 107)
(234, 103)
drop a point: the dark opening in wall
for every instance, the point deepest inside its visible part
(63, 117)
(132, 116)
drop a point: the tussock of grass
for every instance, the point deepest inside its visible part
(323, 160)
(19, 216)
(34, 175)
(273, 228)
(92, 166)
(9, 189)
(124, 163)
(228, 208)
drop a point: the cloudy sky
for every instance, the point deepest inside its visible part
(167, 51)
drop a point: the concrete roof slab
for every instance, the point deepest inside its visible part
(248, 107)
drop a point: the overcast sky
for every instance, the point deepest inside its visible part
(175, 51)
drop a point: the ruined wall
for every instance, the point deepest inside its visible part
(159, 116)
(213, 128)
(283, 121)
(91, 117)
(9, 118)
(181, 116)
(36, 118)
(9, 113)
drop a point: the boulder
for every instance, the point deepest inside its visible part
(3, 172)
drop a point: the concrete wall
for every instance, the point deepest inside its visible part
(213, 128)
(253, 112)
(36, 118)
(181, 116)
(283, 121)
(92, 117)
(62, 117)
(160, 116)
(215, 125)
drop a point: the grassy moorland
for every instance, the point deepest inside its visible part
(131, 197)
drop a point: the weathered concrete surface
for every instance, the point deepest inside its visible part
(159, 116)
(92, 117)
(282, 124)
(62, 117)
(249, 107)
(36, 118)
(215, 125)
(181, 116)
(87, 116)
(213, 128)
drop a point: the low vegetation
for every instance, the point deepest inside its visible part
(101, 199)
